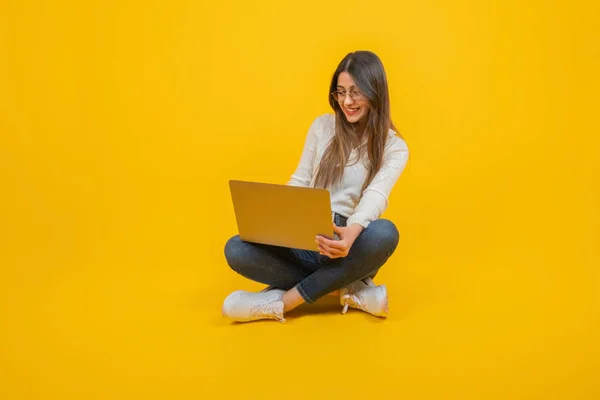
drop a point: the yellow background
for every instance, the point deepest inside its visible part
(121, 123)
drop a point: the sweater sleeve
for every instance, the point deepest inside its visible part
(303, 174)
(374, 199)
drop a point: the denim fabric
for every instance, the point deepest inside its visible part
(313, 274)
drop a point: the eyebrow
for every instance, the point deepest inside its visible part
(341, 87)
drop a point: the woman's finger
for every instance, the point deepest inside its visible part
(338, 229)
(333, 253)
(324, 253)
(324, 242)
(334, 244)
(328, 250)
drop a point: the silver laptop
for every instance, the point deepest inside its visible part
(281, 215)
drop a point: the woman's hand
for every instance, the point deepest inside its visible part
(339, 248)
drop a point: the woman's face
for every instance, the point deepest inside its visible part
(354, 104)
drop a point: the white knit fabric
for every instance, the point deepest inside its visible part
(346, 198)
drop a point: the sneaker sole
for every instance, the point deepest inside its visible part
(384, 303)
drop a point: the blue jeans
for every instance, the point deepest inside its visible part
(313, 274)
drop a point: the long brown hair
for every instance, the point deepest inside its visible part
(366, 69)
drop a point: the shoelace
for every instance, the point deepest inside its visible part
(265, 310)
(351, 299)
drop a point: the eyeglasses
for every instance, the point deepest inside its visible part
(340, 95)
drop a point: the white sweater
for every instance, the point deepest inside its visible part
(346, 198)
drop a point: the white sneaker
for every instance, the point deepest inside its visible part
(242, 306)
(365, 295)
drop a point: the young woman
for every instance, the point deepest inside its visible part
(356, 154)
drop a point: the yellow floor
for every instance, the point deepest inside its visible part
(461, 330)
(122, 121)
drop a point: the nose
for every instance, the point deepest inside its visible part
(348, 100)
